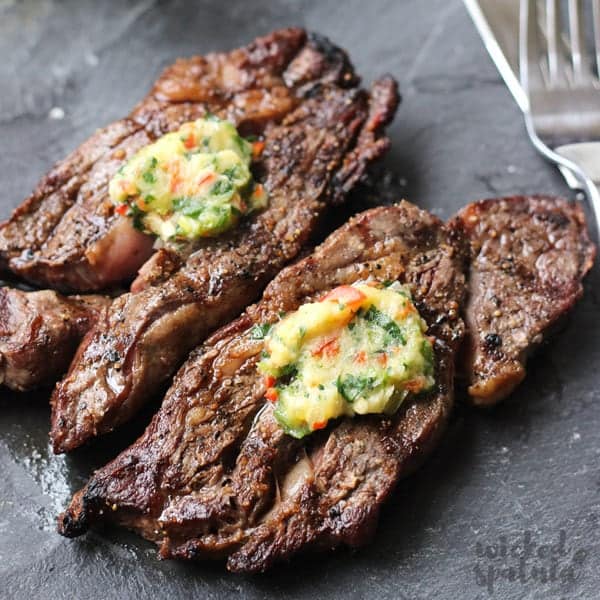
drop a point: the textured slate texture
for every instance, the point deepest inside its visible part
(522, 474)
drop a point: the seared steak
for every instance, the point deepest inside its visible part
(66, 235)
(528, 256)
(214, 475)
(39, 333)
(310, 160)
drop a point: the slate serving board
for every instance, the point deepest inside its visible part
(508, 507)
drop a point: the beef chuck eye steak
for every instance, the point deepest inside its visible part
(214, 475)
(39, 333)
(309, 162)
(66, 235)
(528, 256)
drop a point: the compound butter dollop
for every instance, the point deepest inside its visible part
(361, 349)
(192, 183)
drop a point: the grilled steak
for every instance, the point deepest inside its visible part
(39, 333)
(528, 257)
(310, 160)
(214, 475)
(66, 235)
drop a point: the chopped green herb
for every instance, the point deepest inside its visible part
(230, 173)
(260, 331)
(380, 319)
(137, 216)
(351, 387)
(148, 176)
(222, 187)
(288, 372)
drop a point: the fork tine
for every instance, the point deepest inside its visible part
(531, 50)
(556, 59)
(596, 17)
(576, 36)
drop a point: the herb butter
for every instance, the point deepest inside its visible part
(361, 349)
(192, 183)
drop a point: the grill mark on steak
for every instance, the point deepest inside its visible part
(309, 161)
(528, 256)
(39, 333)
(214, 475)
(66, 234)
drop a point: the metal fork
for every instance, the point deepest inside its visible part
(560, 78)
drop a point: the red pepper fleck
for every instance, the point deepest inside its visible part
(174, 169)
(361, 357)
(269, 381)
(257, 148)
(272, 394)
(330, 348)
(207, 178)
(258, 190)
(190, 141)
(122, 209)
(346, 294)
(319, 425)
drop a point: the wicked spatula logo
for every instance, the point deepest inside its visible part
(528, 559)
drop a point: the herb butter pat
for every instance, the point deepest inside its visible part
(361, 349)
(192, 183)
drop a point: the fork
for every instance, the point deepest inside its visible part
(561, 80)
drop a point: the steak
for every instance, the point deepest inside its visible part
(66, 235)
(528, 256)
(39, 333)
(310, 161)
(215, 476)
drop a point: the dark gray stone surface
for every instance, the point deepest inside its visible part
(526, 471)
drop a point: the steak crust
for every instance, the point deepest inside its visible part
(215, 476)
(310, 161)
(66, 235)
(39, 333)
(528, 256)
